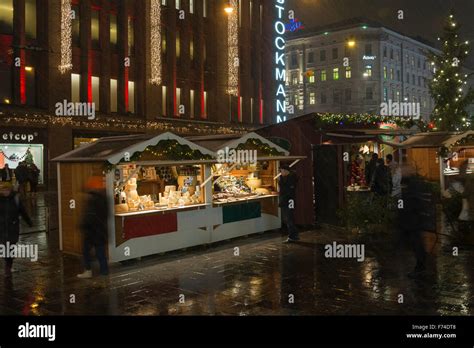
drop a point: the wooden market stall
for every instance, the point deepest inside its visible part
(441, 156)
(167, 193)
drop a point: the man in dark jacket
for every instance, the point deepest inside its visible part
(11, 209)
(370, 168)
(94, 227)
(21, 174)
(287, 184)
(381, 179)
(6, 174)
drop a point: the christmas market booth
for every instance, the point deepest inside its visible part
(166, 192)
(441, 156)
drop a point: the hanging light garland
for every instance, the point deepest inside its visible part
(155, 42)
(233, 48)
(14, 158)
(66, 37)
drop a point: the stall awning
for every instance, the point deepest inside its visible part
(435, 139)
(113, 149)
(351, 136)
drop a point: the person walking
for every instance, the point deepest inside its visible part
(467, 214)
(6, 174)
(287, 183)
(33, 178)
(21, 174)
(381, 181)
(11, 208)
(94, 227)
(370, 168)
(396, 175)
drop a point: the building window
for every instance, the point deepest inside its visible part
(384, 72)
(164, 99)
(251, 13)
(204, 8)
(323, 75)
(131, 35)
(368, 49)
(164, 2)
(178, 100)
(348, 94)
(164, 41)
(131, 97)
(30, 19)
(322, 55)
(30, 86)
(311, 79)
(335, 53)
(178, 45)
(76, 26)
(368, 71)
(348, 72)
(5, 85)
(113, 95)
(294, 79)
(312, 98)
(294, 60)
(392, 74)
(75, 88)
(408, 78)
(385, 94)
(336, 96)
(191, 49)
(113, 30)
(412, 61)
(191, 6)
(385, 51)
(418, 63)
(6, 17)
(398, 75)
(301, 102)
(311, 57)
(178, 4)
(335, 74)
(192, 102)
(323, 97)
(369, 93)
(391, 53)
(398, 96)
(413, 79)
(419, 80)
(95, 32)
(96, 92)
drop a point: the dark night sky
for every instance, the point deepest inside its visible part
(423, 18)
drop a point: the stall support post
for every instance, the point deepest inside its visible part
(109, 185)
(441, 176)
(208, 197)
(60, 213)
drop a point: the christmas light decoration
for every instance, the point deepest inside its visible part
(66, 37)
(155, 42)
(233, 49)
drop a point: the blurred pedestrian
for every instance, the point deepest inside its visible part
(370, 168)
(381, 179)
(21, 174)
(287, 183)
(467, 213)
(33, 177)
(11, 208)
(396, 175)
(94, 226)
(6, 174)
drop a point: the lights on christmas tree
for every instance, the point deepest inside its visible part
(66, 37)
(233, 49)
(155, 42)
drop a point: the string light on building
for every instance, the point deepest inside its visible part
(66, 37)
(155, 42)
(233, 47)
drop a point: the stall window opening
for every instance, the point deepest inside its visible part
(6, 17)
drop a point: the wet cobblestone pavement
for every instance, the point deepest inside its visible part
(262, 280)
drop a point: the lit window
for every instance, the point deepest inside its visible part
(178, 100)
(384, 72)
(311, 79)
(30, 19)
(131, 35)
(6, 16)
(178, 4)
(131, 97)
(312, 98)
(348, 72)
(191, 6)
(392, 74)
(95, 92)
(368, 71)
(76, 27)
(164, 95)
(385, 94)
(113, 30)
(204, 8)
(75, 88)
(178, 45)
(191, 49)
(95, 29)
(113, 95)
(164, 2)
(192, 103)
(205, 104)
(335, 74)
(323, 75)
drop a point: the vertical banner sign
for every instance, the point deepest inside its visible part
(280, 67)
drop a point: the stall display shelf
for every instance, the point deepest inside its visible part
(246, 199)
(167, 210)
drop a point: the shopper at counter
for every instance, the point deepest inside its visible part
(370, 168)
(396, 174)
(94, 227)
(287, 182)
(381, 179)
(6, 174)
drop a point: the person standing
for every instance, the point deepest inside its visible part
(6, 173)
(467, 213)
(370, 168)
(33, 177)
(381, 182)
(11, 208)
(396, 174)
(94, 227)
(287, 183)
(21, 174)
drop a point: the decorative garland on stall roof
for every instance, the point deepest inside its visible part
(261, 147)
(331, 119)
(445, 151)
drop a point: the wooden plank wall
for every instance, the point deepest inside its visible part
(74, 176)
(424, 160)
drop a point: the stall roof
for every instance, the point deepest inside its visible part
(112, 149)
(216, 143)
(349, 136)
(435, 139)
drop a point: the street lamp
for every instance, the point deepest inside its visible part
(351, 43)
(229, 9)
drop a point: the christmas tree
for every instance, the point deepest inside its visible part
(29, 157)
(449, 87)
